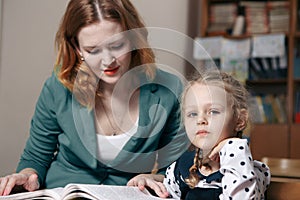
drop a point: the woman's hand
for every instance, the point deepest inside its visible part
(153, 181)
(27, 178)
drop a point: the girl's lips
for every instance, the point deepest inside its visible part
(202, 132)
(111, 71)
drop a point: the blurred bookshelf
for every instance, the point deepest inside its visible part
(273, 81)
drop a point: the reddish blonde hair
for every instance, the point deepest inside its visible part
(82, 13)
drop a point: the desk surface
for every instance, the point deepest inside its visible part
(285, 172)
(284, 179)
(283, 190)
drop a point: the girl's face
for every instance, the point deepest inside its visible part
(106, 50)
(208, 115)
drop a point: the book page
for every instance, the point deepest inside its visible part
(51, 194)
(106, 192)
(88, 191)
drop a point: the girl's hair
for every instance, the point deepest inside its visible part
(70, 69)
(238, 94)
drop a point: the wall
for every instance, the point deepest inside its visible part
(173, 16)
(27, 58)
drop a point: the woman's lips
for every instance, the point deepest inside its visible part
(111, 71)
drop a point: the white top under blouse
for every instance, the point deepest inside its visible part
(110, 146)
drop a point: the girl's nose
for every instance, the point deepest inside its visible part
(202, 120)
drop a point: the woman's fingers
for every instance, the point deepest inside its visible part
(3, 182)
(7, 183)
(32, 183)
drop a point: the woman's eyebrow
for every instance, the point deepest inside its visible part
(90, 47)
(108, 43)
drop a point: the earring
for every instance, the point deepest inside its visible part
(81, 56)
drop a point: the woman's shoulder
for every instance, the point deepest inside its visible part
(53, 82)
(166, 76)
(54, 88)
(168, 81)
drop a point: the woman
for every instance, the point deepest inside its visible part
(106, 115)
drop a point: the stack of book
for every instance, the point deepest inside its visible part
(268, 109)
(256, 17)
(278, 16)
(297, 106)
(266, 68)
(221, 18)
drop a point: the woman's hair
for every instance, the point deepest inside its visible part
(238, 94)
(82, 13)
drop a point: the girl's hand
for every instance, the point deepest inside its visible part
(153, 181)
(214, 155)
(27, 178)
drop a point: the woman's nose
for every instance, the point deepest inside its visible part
(107, 58)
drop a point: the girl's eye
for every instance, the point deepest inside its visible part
(192, 114)
(213, 112)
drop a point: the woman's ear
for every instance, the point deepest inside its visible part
(79, 52)
(242, 120)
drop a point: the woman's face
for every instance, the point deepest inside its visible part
(106, 50)
(208, 115)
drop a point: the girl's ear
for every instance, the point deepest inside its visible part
(242, 120)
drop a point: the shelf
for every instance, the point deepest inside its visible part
(296, 127)
(240, 37)
(295, 138)
(223, 1)
(268, 81)
(274, 140)
(266, 86)
(244, 36)
(264, 143)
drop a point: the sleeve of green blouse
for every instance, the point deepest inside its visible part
(42, 142)
(174, 140)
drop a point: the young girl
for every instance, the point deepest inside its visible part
(219, 164)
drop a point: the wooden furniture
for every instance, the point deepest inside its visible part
(283, 191)
(285, 178)
(283, 167)
(273, 140)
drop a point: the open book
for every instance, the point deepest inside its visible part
(85, 191)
